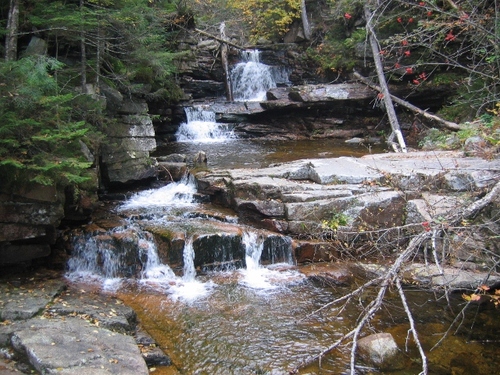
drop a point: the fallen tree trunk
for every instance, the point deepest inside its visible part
(446, 124)
(225, 63)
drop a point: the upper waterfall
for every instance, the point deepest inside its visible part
(251, 79)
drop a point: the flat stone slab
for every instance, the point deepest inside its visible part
(25, 301)
(109, 312)
(351, 170)
(74, 346)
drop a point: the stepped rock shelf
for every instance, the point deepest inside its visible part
(373, 192)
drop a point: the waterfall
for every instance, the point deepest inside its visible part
(154, 270)
(188, 288)
(256, 276)
(188, 257)
(201, 126)
(251, 79)
(124, 252)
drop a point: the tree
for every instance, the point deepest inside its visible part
(12, 30)
(40, 132)
(269, 19)
(305, 21)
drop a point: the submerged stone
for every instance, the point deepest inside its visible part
(381, 351)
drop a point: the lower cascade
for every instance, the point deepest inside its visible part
(130, 251)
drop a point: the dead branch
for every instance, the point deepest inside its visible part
(446, 124)
(477, 206)
(389, 107)
(223, 41)
(413, 330)
(390, 277)
(225, 63)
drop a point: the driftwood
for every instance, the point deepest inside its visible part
(446, 124)
(389, 107)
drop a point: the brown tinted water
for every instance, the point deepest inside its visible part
(237, 330)
(241, 330)
(241, 153)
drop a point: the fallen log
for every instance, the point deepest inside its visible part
(445, 124)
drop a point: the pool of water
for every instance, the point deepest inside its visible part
(247, 153)
(240, 326)
(242, 330)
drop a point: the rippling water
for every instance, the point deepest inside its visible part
(246, 153)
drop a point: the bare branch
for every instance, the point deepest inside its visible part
(404, 103)
(413, 330)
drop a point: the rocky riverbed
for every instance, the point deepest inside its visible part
(51, 325)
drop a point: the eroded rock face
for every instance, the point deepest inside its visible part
(129, 140)
(28, 222)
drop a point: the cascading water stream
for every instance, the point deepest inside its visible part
(201, 126)
(256, 276)
(251, 79)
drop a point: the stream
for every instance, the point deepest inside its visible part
(251, 311)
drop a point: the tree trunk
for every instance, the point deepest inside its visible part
(305, 22)
(225, 63)
(12, 30)
(83, 52)
(389, 107)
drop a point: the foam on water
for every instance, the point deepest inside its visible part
(201, 126)
(174, 194)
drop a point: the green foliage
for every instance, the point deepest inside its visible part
(268, 19)
(336, 53)
(338, 219)
(40, 132)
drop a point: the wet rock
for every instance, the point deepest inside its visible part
(110, 313)
(219, 251)
(171, 171)
(370, 192)
(73, 346)
(277, 249)
(200, 159)
(381, 351)
(331, 273)
(316, 251)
